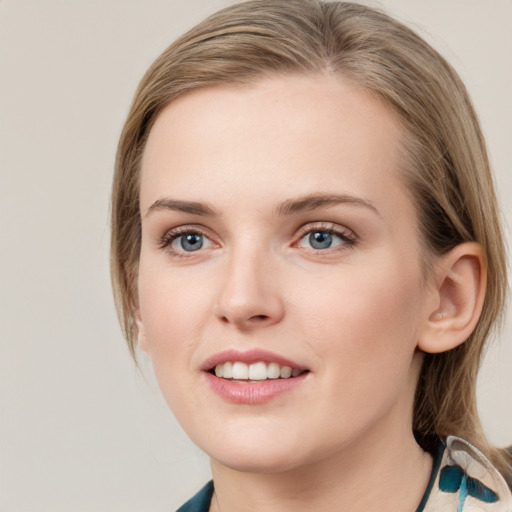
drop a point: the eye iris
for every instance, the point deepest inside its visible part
(320, 240)
(191, 242)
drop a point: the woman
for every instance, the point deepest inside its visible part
(306, 242)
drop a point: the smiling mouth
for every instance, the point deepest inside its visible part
(239, 371)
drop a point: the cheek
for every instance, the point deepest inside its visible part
(366, 336)
(171, 323)
(173, 310)
(366, 318)
(172, 303)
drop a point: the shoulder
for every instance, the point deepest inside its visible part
(467, 481)
(200, 502)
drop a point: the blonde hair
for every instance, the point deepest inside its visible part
(446, 165)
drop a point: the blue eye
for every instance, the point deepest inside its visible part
(189, 242)
(183, 241)
(322, 239)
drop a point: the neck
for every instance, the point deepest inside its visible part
(387, 472)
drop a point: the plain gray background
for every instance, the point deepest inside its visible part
(80, 428)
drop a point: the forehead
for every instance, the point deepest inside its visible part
(314, 133)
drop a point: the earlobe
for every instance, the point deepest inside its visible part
(141, 333)
(459, 293)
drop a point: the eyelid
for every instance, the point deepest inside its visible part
(346, 234)
(166, 240)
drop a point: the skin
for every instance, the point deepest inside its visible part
(353, 314)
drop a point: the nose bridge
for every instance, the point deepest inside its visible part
(249, 292)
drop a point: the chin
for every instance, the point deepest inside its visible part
(256, 461)
(254, 454)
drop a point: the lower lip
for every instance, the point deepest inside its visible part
(252, 392)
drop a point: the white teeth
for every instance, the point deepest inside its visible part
(286, 372)
(240, 371)
(256, 371)
(273, 371)
(228, 370)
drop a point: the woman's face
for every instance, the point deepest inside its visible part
(277, 232)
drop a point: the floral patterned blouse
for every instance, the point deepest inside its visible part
(462, 480)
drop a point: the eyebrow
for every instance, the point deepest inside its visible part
(191, 207)
(288, 207)
(315, 201)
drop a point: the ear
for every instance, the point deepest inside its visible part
(141, 333)
(459, 292)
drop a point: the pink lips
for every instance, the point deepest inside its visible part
(250, 392)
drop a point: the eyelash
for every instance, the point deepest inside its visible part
(169, 237)
(347, 236)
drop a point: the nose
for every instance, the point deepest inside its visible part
(249, 295)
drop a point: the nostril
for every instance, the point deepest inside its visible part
(259, 317)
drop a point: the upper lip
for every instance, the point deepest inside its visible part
(248, 357)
